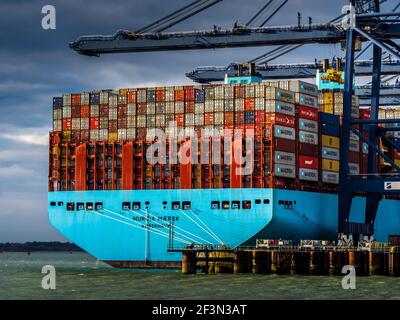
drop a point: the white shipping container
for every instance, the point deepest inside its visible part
(308, 125)
(250, 91)
(209, 106)
(260, 91)
(94, 135)
(160, 120)
(76, 123)
(272, 93)
(66, 112)
(66, 99)
(85, 98)
(122, 99)
(179, 107)
(113, 100)
(151, 121)
(219, 106)
(280, 107)
(239, 104)
(219, 92)
(141, 96)
(303, 87)
(308, 174)
(169, 95)
(103, 97)
(354, 145)
(284, 132)
(229, 105)
(330, 177)
(288, 158)
(354, 168)
(330, 153)
(199, 119)
(141, 121)
(306, 100)
(131, 121)
(57, 125)
(130, 134)
(103, 123)
(189, 119)
(308, 137)
(94, 110)
(84, 123)
(199, 108)
(160, 108)
(170, 108)
(121, 134)
(219, 118)
(229, 92)
(259, 104)
(151, 108)
(131, 109)
(285, 171)
(103, 134)
(57, 114)
(113, 113)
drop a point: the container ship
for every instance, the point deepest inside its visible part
(136, 172)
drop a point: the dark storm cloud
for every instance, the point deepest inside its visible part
(36, 65)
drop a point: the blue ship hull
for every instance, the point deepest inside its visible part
(141, 237)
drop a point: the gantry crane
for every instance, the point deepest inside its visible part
(361, 21)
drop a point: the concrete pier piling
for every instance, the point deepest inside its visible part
(189, 262)
(294, 260)
(242, 262)
(261, 262)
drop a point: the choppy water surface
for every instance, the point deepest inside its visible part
(80, 276)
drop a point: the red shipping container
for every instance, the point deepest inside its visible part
(122, 110)
(142, 108)
(94, 123)
(131, 96)
(239, 91)
(229, 118)
(354, 157)
(85, 135)
(104, 110)
(308, 149)
(189, 106)
(396, 154)
(189, 93)
(280, 119)
(112, 125)
(75, 136)
(239, 117)
(284, 145)
(179, 95)
(249, 104)
(209, 118)
(180, 120)
(365, 114)
(122, 123)
(258, 131)
(259, 117)
(76, 99)
(308, 113)
(76, 111)
(85, 111)
(308, 162)
(66, 124)
(141, 133)
(160, 95)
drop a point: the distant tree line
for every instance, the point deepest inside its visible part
(39, 246)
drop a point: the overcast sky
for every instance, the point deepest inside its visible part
(36, 65)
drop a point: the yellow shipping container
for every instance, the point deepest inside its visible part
(330, 141)
(397, 161)
(56, 151)
(330, 165)
(66, 135)
(328, 108)
(112, 136)
(328, 98)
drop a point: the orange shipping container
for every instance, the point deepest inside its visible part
(160, 95)
(189, 94)
(94, 123)
(179, 95)
(66, 124)
(209, 118)
(179, 119)
(131, 96)
(239, 91)
(249, 104)
(85, 111)
(76, 99)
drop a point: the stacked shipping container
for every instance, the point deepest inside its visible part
(100, 139)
